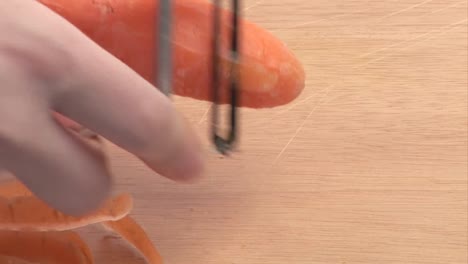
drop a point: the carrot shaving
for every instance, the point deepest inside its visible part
(131, 231)
(45, 247)
(15, 214)
(13, 188)
(12, 260)
(33, 232)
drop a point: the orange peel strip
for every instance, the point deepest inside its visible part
(31, 213)
(45, 247)
(12, 260)
(131, 231)
(13, 188)
(23, 216)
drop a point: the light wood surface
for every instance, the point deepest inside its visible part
(369, 165)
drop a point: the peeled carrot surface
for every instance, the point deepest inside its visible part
(271, 75)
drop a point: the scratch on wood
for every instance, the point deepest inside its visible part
(406, 9)
(253, 5)
(316, 21)
(298, 103)
(203, 118)
(442, 31)
(394, 45)
(411, 42)
(303, 24)
(447, 7)
(302, 125)
(290, 107)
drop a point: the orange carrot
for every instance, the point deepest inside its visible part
(45, 247)
(12, 189)
(12, 260)
(271, 75)
(30, 213)
(47, 233)
(31, 231)
(131, 231)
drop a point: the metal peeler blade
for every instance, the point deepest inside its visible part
(164, 73)
(226, 144)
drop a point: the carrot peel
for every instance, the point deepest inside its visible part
(129, 229)
(33, 232)
(15, 214)
(45, 247)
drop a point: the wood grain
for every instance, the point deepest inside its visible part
(369, 165)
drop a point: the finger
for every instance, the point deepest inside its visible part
(58, 166)
(112, 100)
(95, 89)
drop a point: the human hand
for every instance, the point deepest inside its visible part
(47, 66)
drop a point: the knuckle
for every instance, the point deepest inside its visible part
(41, 56)
(41, 61)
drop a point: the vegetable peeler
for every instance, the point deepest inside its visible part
(164, 73)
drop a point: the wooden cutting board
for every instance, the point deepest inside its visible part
(369, 165)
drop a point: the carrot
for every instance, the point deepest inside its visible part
(12, 260)
(131, 231)
(271, 75)
(47, 232)
(16, 214)
(13, 188)
(45, 247)
(31, 231)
